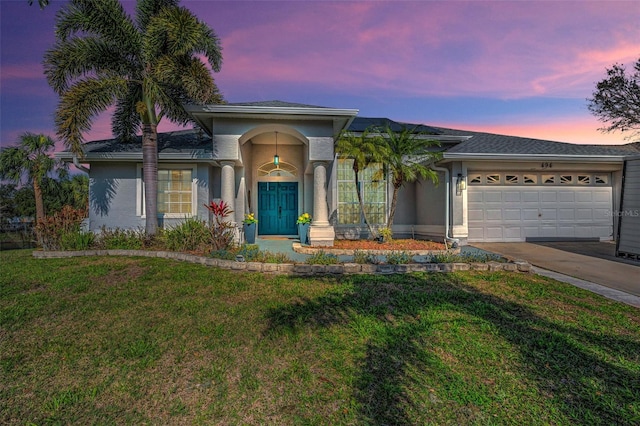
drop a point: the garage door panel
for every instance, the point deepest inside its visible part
(475, 197)
(512, 214)
(493, 232)
(476, 215)
(602, 197)
(511, 196)
(512, 232)
(517, 212)
(566, 231)
(584, 214)
(566, 214)
(549, 214)
(492, 197)
(584, 197)
(493, 214)
(548, 196)
(566, 197)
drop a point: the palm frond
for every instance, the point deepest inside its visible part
(103, 18)
(12, 161)
(146, 9)
(81, 103)
(125, 121)
(177, 32)
(88, 56)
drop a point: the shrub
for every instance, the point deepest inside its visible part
(52, 229)
(222, 231)
(224, 254)
(399, 258)
(79, 240)
(322, 258)
(252, 253)
(386, 234)
(362, 257)
(192, 234)
(122, 239)
(465, 258)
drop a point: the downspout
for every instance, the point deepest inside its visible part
(79, 166)
(447, 236)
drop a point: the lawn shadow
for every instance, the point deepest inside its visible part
(564, 362)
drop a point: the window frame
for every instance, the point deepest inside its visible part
(140, 201)
(364, 183)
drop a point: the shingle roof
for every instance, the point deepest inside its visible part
(360, 124)
(488, 143)
(171, 142)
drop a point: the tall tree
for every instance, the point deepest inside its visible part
(410, 152)
(29, 160)
(616, 100)
(42, 3)
(148, 68)
(363, 149)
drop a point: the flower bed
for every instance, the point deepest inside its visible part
(407, 245)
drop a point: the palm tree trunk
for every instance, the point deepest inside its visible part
(372, 232)
(37, 192)
(394, 201)
(150, 174)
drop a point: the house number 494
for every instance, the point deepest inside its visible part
(546, 165)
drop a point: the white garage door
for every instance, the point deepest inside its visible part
(520, 206)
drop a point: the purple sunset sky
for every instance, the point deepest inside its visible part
(521, 68)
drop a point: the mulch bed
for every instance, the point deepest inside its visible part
(398, 245)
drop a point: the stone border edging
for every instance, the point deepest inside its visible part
(299, 248)
(296, 269)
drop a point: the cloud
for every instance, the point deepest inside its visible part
(504, 49)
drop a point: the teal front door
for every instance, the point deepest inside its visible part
(277, 208)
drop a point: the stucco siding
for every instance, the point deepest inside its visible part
(406, 205)
(430, 203)
(112, 196)
(321, 149)
(115, 196)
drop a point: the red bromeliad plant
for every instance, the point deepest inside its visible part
(219, 210)
(222, 231)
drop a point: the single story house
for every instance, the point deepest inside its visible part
(492, 187)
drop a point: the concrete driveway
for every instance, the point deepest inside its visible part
(586, 261)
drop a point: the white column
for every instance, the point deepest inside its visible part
(321, 233)
(320, 209)
(228, 184)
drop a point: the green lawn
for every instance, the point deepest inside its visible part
(106, 340)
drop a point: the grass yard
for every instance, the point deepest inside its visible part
(105, 340)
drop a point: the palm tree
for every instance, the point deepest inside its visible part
(364, 149)
(148, 68)
(410, 153)
(30, 160)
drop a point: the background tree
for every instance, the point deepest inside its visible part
(616, 100)
(408, 157)
(7, 201)
(364, 150)
(148, 68)
(29, 160)
(42, 3)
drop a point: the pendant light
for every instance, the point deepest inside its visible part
(276, 158)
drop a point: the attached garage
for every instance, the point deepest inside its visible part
(517, 206)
